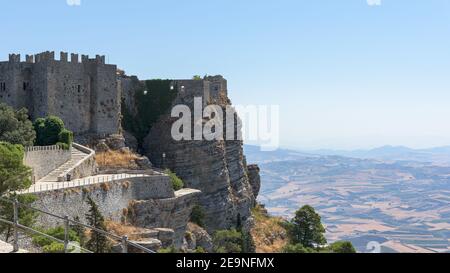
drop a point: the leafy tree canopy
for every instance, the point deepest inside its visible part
(342, 247)
(228, 241)
(15, 127)
(51, 131)
(306, 228)
(14, 175)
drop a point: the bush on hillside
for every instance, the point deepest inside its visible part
(15, 127)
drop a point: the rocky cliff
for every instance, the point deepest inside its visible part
(216, 168)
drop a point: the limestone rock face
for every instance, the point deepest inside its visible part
(170, 213)
(199, 238)
(217, 168)
(130, 141)
(254, 178)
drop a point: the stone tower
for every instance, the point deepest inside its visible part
(84, 94)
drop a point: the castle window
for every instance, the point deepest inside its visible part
(79, 88)
(2, 86)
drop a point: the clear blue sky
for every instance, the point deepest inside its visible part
(345, 74)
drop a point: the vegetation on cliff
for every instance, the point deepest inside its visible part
(152, 101)
(303, 234)
(177, 183)
(269, 233)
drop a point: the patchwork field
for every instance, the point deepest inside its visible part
(399, 206)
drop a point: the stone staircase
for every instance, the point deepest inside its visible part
(77, 156)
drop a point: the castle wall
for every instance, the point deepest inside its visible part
(53, 156)
(106, 99)
(147, 202)
(85, 94)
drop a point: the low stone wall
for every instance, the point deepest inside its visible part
(84, 168)
(115, 199)
(52, 156)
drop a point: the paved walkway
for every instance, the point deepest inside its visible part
(91, 180)
(7, 248)
(77, 156)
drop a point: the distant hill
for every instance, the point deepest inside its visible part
(437, 155)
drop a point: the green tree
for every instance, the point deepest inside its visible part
(65, 139)
(297, 248)
(14, 175)
(306, 228)
(58, 233)
(342, 247)
(198, 215)
(227, 241)
(27, 217)
(79, 230)
(98, 242)
(177, 183)
(197, 78)
(51, 131)
(15, 127)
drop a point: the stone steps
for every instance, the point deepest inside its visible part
(77, 156)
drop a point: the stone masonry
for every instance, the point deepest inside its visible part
(84, 94)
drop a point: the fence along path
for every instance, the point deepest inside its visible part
(92, 180)
(125, 243)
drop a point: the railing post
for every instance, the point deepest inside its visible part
(66, 233)
(124, 244)
(16, 227)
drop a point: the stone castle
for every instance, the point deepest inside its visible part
(88, 94)
(84, 93)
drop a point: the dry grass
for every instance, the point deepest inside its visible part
(116, 159)
(268, 234)
(124, 230)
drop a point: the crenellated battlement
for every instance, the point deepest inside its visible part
(81, 90)
(49, 56)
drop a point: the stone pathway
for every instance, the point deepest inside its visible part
(77, 156)
(7, 248)
(92, 180)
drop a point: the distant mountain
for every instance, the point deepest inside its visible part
(255, 155)
(437, 155)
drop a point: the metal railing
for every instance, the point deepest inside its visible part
(43, 187)
(125, 243)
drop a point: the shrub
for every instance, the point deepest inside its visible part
(57, 233)
(200, 250)
(54, 247)
(227, 241)
(342, 247)
(198, 215)
(297, 248)
(66, 137)
(177, 183)
(51, 131)
(168, 250)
